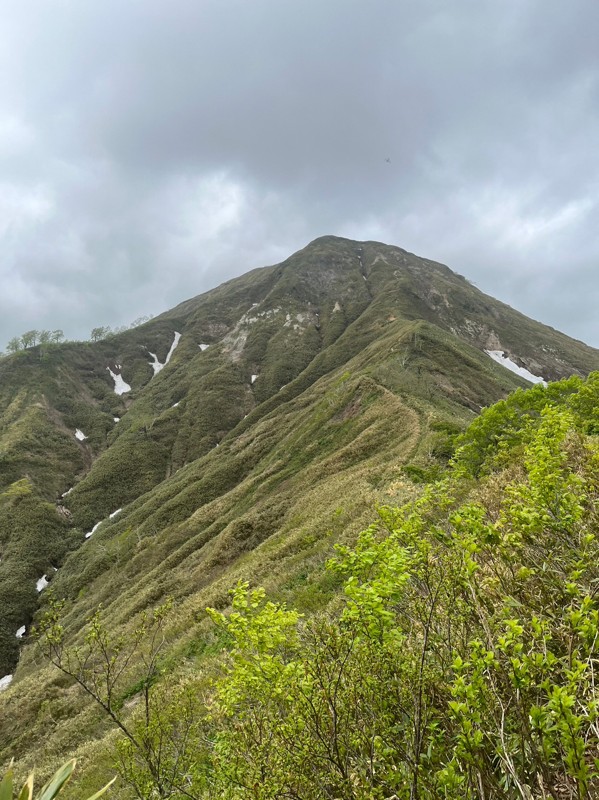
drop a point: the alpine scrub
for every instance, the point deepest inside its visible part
(458, 661)
(462, 664)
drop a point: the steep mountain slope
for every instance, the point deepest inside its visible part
(296, 399)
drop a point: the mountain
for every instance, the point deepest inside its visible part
(238, 436)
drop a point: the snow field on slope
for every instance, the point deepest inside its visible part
(120, 387)
(156, 365)
(500, 358)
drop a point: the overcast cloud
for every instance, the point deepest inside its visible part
(150, 149)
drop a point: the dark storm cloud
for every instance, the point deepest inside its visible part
(150, 150)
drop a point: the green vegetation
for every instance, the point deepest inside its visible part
(33, 538)
(105, 331)
(369, 367)
(458, 662)
(33, 338)
(52, 789)
(461, 664)
(44, 338)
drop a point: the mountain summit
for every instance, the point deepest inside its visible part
(236, 436)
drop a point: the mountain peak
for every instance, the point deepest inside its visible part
(238, 436)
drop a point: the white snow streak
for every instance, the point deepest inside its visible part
(94, 529)
(21, 632)
(254, 378)
(500, 358)
(203, 347)
(156, 365)
(80, 435)
(120, 387)
(117, 419)
(173, 347)
(42, 583)
(97, 525)
(5, 682)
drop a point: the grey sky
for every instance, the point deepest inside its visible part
(150, 149)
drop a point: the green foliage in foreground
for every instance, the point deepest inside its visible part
(460, 664)
(49, 791)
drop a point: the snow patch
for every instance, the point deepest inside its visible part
(120, 387)
(21, 632)
(173, 347)
(5, 682)
(68, 491)
(117, 419)
(80, 435)
(94, 529)
(41, 584)
(157, 365)
(203, 347)
(174, 405)
(336, 307)
(501, 358)
(97, 525)
(254, 378)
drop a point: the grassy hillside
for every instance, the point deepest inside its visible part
(460, 662)
(457, 662)
(300, 397)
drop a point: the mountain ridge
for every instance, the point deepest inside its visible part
(299, 397)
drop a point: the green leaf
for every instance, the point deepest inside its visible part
(6, 786)
(58, 780)
(26, 792)
(101, 792)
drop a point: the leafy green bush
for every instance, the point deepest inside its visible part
(462, 664)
